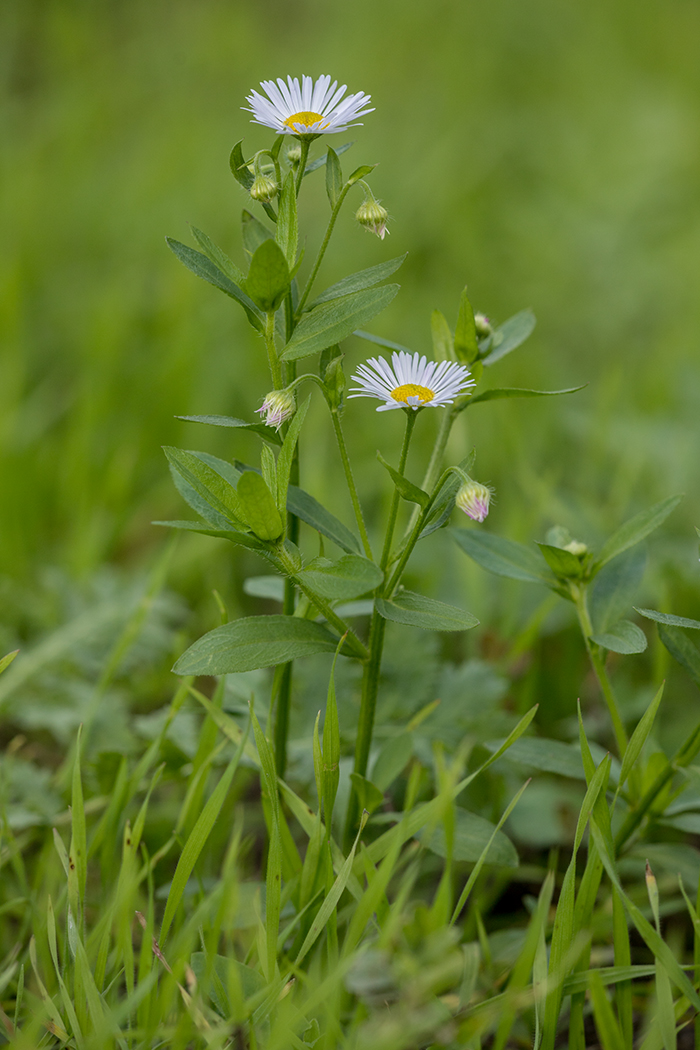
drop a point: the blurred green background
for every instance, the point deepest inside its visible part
(545, 154)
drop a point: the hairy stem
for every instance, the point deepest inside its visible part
(272, 358)
(351, 482)
(322, 249)
(598, 663)
(305, 143)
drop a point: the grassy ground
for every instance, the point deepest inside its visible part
(546, 156)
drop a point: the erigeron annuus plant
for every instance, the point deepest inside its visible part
(263, 507)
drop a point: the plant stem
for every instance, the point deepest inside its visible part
(351, 482)
(322, 249)
(410, 423)
(598, 662)
(273, 360)
(305, 143)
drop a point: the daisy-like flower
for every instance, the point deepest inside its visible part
(312, 109)
(412, 382)
(474, 499)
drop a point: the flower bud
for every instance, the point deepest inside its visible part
(278, 406)
(482, 325)
(294, 155)
(373, 217)
(577, 548)
(474, 498)
(264, 189)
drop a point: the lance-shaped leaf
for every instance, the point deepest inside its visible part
(319, 162)
(445, 500)
(416, 611)
(253, 642)
(216, 492)
(334, 177)
(359, 173)
(348, 577)
(331, 322)
(500, 556)
(243, 539)
(466, 344)
(382, 342)
(636, 529)
(510, 335)
(356, 282)
(498, 393)
(203, 267)
(442, 336)
(614, 588)
(622, 637)
(669, 619)
(258, 507)
(218, 257)
(239, 168)
(286, 456)
(406, 488)
(268, 278)
(315, 514)
(681, 649)
(287, 235)
(269, 433)
(561, 562)
(254, 232)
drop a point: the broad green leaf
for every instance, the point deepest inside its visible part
(500, 556)
(258, 507)
(287, 235)
(416, 611)
(471, 835)
(202, 267)
(561, 562)
(196, 841)
(681, 649)
(393, 758)
(348, 577)
(314, 514)
(639, 737)
(442, 337)
(334, 177)
(254, 232)
(368, 794)
(498, 393)
(319, 162)
(356, 282)
(253, 642)
(225, 470)
(225, 971)
(549, 756)
(218, 257)
(286, 454)
(269, 587)
(466, 344)
(622, 637)
(331, 322)
(360, 173)
(614, 587)
(269, 433)
(218, 493)
(268, 278)
(406, 488)
(669, 619)
(636, 529)
(213, 518)
(239, 169)
(510, 335)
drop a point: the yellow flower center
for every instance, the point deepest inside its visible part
(308, 118)
(402, 393)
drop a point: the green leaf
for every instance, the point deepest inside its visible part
(356, 282)
(549, 756)
(498, 393)
(510, 335)
(681, 649)
(319, 162)
(202, 267)
(254, 232)
(225, 972)
(416, 611)
(368, 794)
(239, 169)
(623, 637)
(466, 344)
(269, 587)
(442, 337)
(286, 455)
(269, 433)
(359, 173)
(334, 177)
(243, 539)
(216, 492)
(561, 562)
(258, 507)
(471, 835)
(348, 577)
(406, 488)
(330, 767)
(500, 556)
(381, 342)
(218, 257)
(392, 760)
(639, 737)
(605, 1020)
(614, 587)
(287, 235)
(306, 507)
(268, 278)
(669, 619)
(445, 500)
(7, 660)
(253, 642)
(334, 321)
(636, 529)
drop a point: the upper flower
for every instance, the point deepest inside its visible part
(413, 382)
(313, 109)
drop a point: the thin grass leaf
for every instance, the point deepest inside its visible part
(78, 846)
(639, 737)
(605, 1022)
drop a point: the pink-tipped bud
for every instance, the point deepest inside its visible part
(373, 217)
(277, 408)
(482, 325)
(474, 498)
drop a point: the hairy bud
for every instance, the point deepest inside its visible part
(373, 217)
(278, 406)
(474, 498)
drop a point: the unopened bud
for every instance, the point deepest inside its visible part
(373, 217)
(278, 406)
(577, 548)
(474, 498)
(264, 189)
(483, 325)
(294, 155)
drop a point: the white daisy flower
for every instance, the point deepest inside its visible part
(413, 382)
(312, 109)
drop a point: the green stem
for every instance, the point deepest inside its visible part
(351, 482)
(410, 423)
(273, 360)
(305, 144)
(598, 662)
(322, 249)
